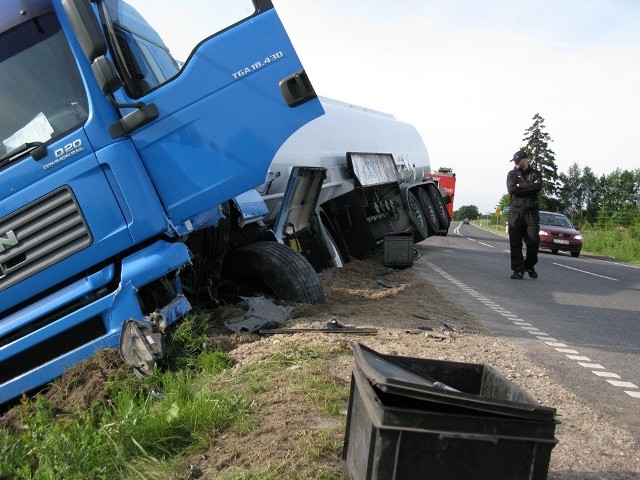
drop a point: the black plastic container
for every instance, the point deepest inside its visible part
(398, 249)
(412, 418)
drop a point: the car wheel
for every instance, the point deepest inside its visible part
(575, 254)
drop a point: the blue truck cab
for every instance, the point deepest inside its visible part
(130, 132)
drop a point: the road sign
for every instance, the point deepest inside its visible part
(505, 209)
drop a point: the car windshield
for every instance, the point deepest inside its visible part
(41, 91)
(555, 220)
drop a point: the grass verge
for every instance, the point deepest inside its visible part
(199, 415)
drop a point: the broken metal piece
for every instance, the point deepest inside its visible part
(437, 336)
(262, 314)
(334, 323)
(452, 327)
(141, 347)
(414, 331)
(357, 330)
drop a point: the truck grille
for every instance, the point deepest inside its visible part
(39, 235)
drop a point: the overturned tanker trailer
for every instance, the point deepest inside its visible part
(367, 175)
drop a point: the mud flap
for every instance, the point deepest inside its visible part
(140, 347)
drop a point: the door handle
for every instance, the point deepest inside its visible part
(297, 89)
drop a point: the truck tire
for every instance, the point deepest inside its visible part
(418, 218)
(276, 267)
(430, 212)
(440, 207)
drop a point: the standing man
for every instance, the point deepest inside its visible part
(523, 184)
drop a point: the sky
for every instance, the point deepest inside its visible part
(471, 74)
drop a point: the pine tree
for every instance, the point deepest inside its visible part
(543, 159)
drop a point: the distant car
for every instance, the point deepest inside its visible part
(558, 234)
(465, 221)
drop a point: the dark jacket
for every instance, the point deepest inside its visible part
(524, 198)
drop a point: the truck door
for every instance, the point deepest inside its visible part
(228, 86)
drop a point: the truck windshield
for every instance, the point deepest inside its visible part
(41, 91)
(155, 38)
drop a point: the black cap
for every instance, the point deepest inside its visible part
(519, 155)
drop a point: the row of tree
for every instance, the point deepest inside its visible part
(612, 199)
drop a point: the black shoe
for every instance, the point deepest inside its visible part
(532, 273)
(517, 275)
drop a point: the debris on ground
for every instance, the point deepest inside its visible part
(262, 314)
(332, 326)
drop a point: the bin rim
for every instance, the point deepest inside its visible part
(404, 382)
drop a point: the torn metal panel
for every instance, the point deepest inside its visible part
(262, 314)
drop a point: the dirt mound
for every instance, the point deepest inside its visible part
(82, 385)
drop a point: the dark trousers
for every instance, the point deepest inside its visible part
(524, 227)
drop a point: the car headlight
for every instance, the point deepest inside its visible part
(577, 237)
(543, 233)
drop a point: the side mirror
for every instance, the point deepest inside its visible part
(94, 46)
(106, 75)
(86, 27)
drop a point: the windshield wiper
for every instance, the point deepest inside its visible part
(38, 149)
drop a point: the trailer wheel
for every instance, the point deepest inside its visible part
(277, 268)
(430, 212)
(418, 218)
(438, 203)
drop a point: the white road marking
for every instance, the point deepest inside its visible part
(570, 353)
(617, 383)
(584, 271)
(590, 365)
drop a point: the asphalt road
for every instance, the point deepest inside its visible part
(580, 319)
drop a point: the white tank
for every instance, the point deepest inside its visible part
(344, 128)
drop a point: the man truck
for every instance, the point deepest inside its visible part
(127, 164)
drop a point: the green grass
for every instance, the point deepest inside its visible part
(147, 428)
(615, 242)
(154, 421)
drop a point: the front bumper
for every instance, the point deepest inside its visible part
(41, 341)
(572, 246)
